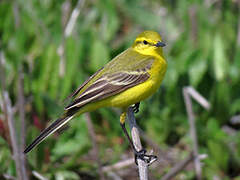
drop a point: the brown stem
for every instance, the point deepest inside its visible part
(194, 24)
(191, 119)
(67, 32)
(8, 112)
(142, 166)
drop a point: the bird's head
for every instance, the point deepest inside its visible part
(148, 43)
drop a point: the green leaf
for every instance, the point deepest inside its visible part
(142, 17)
(218, 153)
(109, 19)
(235, 108)
(43, 72)
(220, 61)
(235, 67)
(172, 75)
(79, 140)
(196, 71)
(73, 55)
(99, 55)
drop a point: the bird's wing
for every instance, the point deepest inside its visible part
(82, 85)
(109, 84)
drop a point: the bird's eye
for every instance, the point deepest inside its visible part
(145, 42)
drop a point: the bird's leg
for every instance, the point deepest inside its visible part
(138, 154)
(136, 107)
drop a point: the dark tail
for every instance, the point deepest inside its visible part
(48, 131)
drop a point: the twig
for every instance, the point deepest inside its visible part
(95, 147)
(198, 97)
(66, 10)
(194, 24)
(189, 92)
(191, 119)
(38, 176)
(61, 54)
(230, 131)
(118, 165)
(178, 167)
(9, 177)
(20, 168)
(67, 32)
(235, 119)
(16, 14)
(7, 109)
(113, 175)
(72, 21)
(142, 166)
(21, 108)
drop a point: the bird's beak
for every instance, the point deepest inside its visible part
(160, 44)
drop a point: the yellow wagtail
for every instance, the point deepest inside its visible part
(129, 78)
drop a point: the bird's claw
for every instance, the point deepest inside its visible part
(149, 159)
(136, 107)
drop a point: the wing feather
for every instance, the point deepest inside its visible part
(82, 85)
(107, 86)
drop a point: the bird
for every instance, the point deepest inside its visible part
(126, 80)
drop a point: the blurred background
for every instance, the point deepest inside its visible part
(48, 48)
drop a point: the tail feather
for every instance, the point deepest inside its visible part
(48, 131)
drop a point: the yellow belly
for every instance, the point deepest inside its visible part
(134, 94)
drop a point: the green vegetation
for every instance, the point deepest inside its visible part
(203, 51)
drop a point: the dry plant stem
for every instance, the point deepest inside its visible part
(191, 119)
(194, 24)
(229, 130)
(8, 177)
(72, 21)
(65, 12)
(17, 155)
(235, 119)
(38, 176)
(67, 32)
(178, 167)
(8, 112)
(16, 14)
(94, 143)
(113, 176)
(119, 165)
(142, 166)
(21, 108)
(198, 97)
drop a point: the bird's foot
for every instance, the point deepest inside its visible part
(136, 107)
(149, 159)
